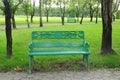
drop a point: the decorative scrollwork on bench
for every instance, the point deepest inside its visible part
(57, 34)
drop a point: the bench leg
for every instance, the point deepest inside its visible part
(30, 64)
(83, 57)
(86, 58)
(88, 64)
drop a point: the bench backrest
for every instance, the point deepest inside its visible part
(62, 39)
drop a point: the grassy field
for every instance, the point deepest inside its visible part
(93, 32)
(22, 20)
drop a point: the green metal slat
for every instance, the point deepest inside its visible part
(57, 52)
(55, 44)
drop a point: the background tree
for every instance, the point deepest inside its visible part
(115, 7)
(106, 47)
(83, 10)
(47, 5)
(78, 9)
(14, 6)
(40, 12)
(118, 15)
(26, 9)
(8, 27)
(97, 9)
(32, 9)
(72, 8)
(62, 9)
(2, 7)
(62, 5)
(92, 4)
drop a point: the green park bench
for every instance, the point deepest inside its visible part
(58, 43)
(71, 20)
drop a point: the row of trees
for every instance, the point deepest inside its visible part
(74, 7)
(61, 8)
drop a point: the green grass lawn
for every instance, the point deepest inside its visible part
(93, 33)
(22, 19)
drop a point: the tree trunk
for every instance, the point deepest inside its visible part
(82, 19)
(33, 11)
(62, 17)
(40, 13)
(91, 14)
(13, 21)
(113, 17)
(8, 28)
(47, 14)
(28, 21)
(32, 17)
(78, 13)
(96, 17)
(106, 47)
(13, 10)
(62, 10)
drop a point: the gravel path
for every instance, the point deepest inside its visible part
(63, 75)
(2, 27)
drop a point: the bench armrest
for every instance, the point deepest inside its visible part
(30, 46)
(86, 45)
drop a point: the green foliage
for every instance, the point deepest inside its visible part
(72, 12)
(2, 8)
(118, 15)
(13, 5)
(26, 7)
(93, 34)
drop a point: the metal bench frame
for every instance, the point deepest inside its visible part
(77, 47)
